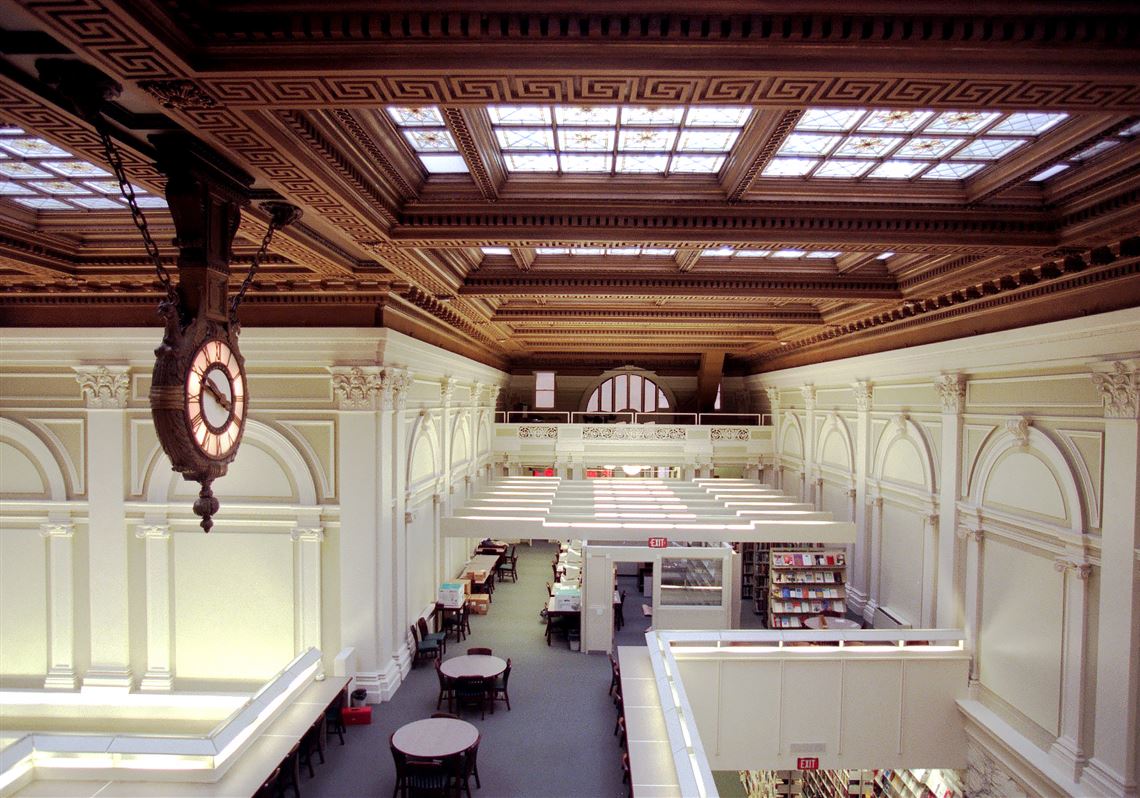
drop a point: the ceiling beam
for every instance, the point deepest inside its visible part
(704, 285)
(672, 316)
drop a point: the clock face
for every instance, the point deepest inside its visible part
(215, 399)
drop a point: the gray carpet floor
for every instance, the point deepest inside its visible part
(557, 739)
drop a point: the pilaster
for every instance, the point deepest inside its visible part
(952, 392)
(1112, 768)
(358, 392)
(61, 605)
(307, 542)
(159, 675)
(105, 394)
(401, 381)
(1071, 748)
(973, 536)
(808, 491)
(876, 558)
(930, 561)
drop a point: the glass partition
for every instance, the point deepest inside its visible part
(691, 581)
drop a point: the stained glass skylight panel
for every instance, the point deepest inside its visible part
(39, 175)
(616, 139)
(596, 251)
(1045, 174)
(426, 132)
(1094, 150)
(901, 144)
(824, 255)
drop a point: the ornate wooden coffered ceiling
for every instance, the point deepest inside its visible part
(956, 232)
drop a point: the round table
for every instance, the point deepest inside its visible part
(816, 622)
(433, 738)
(480, 665)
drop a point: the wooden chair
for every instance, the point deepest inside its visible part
(448, 715)
(508, 566)
(622, 741)
(400, 761)
(446, 687)
(334, 720)
(549, 590)
(291, 771)
(313, 741)
(424, 649)
(619, 611)
(470, 768)
(499, 688)
(452, 621)
(471, 691)
(270, 788)
(477, 650)
(438, 637)
(432, 777)
(626, 774)
(465, 616)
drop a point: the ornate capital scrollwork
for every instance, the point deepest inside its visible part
(1119, 390)
(153, 532)
(104, 386)
(773, 396)
(969, 533)
(57, 530)
(308, 534)
(401, 380)
(409, 516)
(862, 391)
(1081, 569)
(447, 389)
(1019, 429)
(952, 391)
(899, 420)
(493, 396)
(357, 387)
(808, 393)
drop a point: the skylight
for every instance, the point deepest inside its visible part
(1094, 150)
(729, 252)
(38, 175)
(616, 140)
(885, 144)
(598, 251)
(426, 133)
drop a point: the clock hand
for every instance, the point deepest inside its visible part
(213, 389)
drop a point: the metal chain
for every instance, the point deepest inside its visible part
(274, 224)
(128, 192)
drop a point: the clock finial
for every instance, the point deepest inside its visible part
(206, 505)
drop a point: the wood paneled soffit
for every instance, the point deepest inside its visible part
(724, 37)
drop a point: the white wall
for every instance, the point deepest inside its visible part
(981, 477)
(327, 534)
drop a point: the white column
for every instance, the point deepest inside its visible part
(973, 537)
(774, 407)
(447, 417)
(1113, 766)
(307, 542)
(952, 391)
(105, 390)
(1072, 747)
(61, 605)
(818, 492)
(159, 674)
(860, 571)
(360, 560)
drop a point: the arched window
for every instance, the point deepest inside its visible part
(627, 392)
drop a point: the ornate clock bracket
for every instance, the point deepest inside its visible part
(198, 391)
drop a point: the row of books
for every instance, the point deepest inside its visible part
(807, 606)
(808, 592)
(808, 559)
(803, 577)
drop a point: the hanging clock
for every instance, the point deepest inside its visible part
(215, 399)
(198, 393)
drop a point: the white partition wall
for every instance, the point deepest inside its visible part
(991, 479)
(328, 533)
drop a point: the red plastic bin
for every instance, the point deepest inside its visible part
(356, 716)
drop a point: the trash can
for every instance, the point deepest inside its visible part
(358, 697)
(574, 638)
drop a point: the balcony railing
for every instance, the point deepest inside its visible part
(632, 417)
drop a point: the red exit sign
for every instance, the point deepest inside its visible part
(807, 763)
(658, 543)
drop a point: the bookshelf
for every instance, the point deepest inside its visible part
(803, 583)
(851, 783)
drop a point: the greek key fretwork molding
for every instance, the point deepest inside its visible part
(1119, 390)
(952, 392)
(103, 386)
